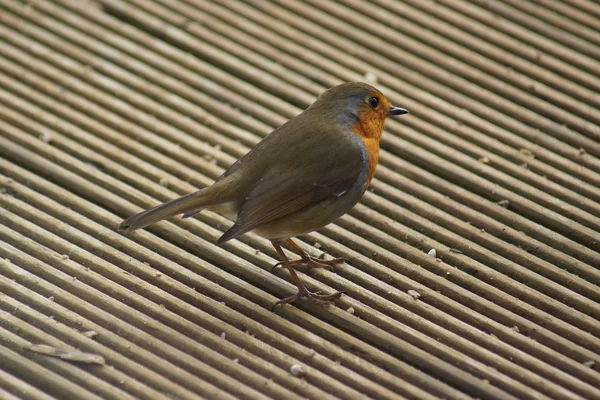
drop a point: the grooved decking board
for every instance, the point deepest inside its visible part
(109, 107)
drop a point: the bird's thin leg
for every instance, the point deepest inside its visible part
(309, 260)
(302, 289)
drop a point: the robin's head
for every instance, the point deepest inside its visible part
(358, 106)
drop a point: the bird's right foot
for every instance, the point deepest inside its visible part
(315, 297)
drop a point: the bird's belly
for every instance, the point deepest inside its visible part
(309, 219)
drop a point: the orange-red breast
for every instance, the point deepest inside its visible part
(304, 175)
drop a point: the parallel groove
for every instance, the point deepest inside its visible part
(452, 374)
(49, 372)
(532, 162)
(390, 129)
(186, 363)
(466, 118)
(477, 8)
(522, 58)
(61, 330)
(585, 219)
(110, 106)
(587, 6)
(151, 257)
(28, 263)
(56, 224)
(143, 69)
(503, 64)
(78, 151)
(9, 384)
(477, 235)
(102, 388)
(577, 29)
(592, 239)
(390, 126)
(159, 312)
(440, 74)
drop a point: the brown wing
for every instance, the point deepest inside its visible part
(288, 188)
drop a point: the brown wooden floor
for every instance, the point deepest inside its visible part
(112, 106)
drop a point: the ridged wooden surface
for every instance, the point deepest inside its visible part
(112, 106)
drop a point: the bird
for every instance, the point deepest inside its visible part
(301, 177)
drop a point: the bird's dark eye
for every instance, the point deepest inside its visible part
(373, 101)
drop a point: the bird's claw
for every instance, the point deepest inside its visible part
(274, 267)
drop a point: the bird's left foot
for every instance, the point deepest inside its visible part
(315, 297)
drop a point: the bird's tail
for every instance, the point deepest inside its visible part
(192, 202)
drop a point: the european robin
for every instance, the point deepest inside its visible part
(304, 175)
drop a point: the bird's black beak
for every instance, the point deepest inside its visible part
(396, 111)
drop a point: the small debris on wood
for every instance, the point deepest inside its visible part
(414, 294)
(590, 364)
(370, 77)
(455, 251)
(350, 310)
(71, 355)
(318, 245)
(298, 370)
(223, 335)
(526, 152)
(90, 334)
(432, 253)
(503, 203)
(484, 160)
(46, 137)
(164, 181)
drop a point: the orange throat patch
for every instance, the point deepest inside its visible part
(372, 146)
(370, 128)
